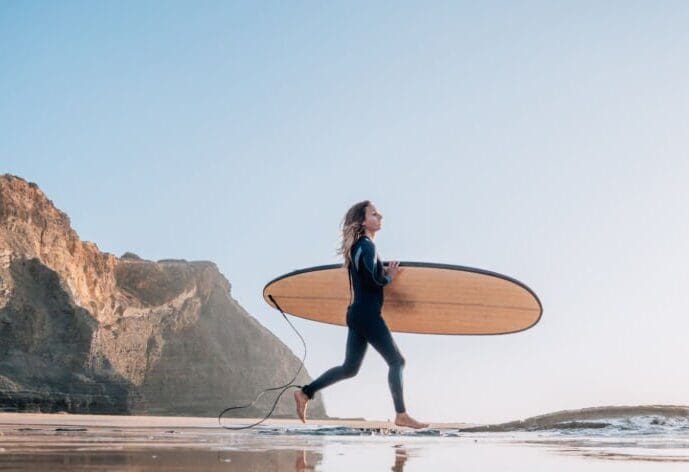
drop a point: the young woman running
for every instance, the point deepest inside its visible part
(364, 321)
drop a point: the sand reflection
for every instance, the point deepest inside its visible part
(156, 459)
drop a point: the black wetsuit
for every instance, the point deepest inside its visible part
(366, 325)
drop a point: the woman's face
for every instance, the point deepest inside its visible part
(373, 220)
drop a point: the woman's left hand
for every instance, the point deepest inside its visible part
(393, 269)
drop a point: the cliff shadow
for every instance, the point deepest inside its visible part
(45, 343)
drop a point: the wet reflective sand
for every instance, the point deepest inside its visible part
(80, 443)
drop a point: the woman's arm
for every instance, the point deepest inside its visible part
(366, 256)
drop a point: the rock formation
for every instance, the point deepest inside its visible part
(85, 331)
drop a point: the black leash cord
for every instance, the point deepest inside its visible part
(283, 387)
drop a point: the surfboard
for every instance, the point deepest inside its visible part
(426, 298)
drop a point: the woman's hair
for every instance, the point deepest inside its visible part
(352, 230)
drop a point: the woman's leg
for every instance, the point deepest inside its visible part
(378, 334)
(356, 348)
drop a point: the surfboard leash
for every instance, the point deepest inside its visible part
(284, 388)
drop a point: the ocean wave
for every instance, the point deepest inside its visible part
(607, 421)
(356, 431)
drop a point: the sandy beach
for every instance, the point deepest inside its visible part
(186, 422)
(65, 442)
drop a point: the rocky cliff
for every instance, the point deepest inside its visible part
(85, 331)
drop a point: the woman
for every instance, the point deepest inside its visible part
(364, 320)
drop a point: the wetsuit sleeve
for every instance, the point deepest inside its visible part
(368, 267)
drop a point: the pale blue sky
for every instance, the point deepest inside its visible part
(545, 142)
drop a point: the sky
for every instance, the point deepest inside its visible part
(546, 141)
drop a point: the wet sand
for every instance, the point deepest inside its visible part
(122, 421)
(61, 442)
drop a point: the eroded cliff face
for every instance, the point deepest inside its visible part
(85, 331)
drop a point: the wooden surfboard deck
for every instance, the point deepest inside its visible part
(425, 298)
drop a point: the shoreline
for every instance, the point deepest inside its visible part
(131, 421)
(64, 442)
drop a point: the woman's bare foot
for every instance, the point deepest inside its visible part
(403, 419)
(301, 399)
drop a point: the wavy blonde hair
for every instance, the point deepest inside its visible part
(352, 230)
